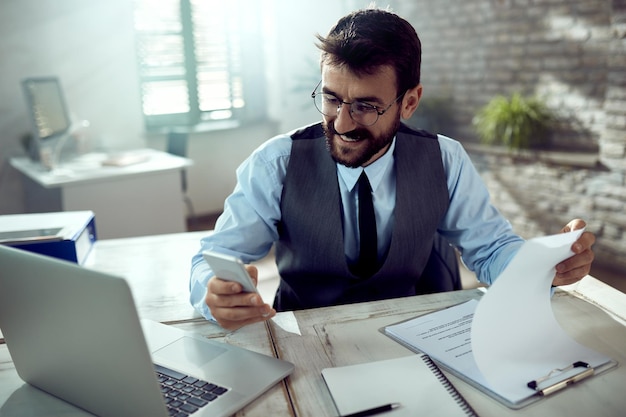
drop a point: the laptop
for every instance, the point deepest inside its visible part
(75, 333)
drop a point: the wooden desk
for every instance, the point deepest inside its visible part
(346, 335)
(157, 268)
(139, 199)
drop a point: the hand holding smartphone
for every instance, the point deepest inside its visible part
(229, 268)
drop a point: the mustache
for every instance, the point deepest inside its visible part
(357, 134)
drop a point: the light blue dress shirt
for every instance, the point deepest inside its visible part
(248, 226)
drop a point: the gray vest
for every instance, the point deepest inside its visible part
(310, 250)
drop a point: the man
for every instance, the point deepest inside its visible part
(301, 192)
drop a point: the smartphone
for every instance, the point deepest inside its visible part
(229, 268)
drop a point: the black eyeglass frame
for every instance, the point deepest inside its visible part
(341, 103)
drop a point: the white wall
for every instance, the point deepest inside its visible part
(292, 58)
(90, 46)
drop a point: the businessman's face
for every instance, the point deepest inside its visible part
(352, 139)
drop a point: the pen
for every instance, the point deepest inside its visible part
(375, 410)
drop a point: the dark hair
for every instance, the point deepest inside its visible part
(367, 39)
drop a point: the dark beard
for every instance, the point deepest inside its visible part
(353, 159)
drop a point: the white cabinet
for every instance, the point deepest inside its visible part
(140, 196)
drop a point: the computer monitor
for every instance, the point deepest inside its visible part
(48, 113)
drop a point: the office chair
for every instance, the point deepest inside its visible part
(177, 145)
(442, 270)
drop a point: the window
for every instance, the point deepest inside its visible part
(193, 56)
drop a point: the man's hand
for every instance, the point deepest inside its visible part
(233, 308)
(578, 266)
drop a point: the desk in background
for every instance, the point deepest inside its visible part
(142, 198)
(157, 269)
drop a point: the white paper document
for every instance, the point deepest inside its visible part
(515, 336)
(287, 321)
(511, 336)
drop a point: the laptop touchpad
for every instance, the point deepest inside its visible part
(191, 350)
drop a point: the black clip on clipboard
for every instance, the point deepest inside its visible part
(559, 385)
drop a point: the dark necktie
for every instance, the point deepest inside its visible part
(368, 249)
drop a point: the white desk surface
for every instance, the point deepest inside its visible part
(346, 335)
(157, 268)
(89, 167)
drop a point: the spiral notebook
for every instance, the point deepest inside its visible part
(415, 382)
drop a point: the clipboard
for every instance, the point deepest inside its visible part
(545, 384)
(556, 383)
(510, 345)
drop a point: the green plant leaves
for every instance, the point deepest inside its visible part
(516, 122)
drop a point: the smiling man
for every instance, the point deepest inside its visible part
(360, 207)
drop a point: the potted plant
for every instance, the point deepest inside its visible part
(516, 122)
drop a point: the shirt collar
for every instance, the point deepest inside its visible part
(374, 171)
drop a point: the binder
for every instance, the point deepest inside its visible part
(414, 382)
(68, 235)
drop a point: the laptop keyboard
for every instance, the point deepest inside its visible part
(184, 395)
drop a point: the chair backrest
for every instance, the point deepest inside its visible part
(442, 270)
(177, 145)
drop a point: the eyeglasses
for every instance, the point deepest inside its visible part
(362, 113)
